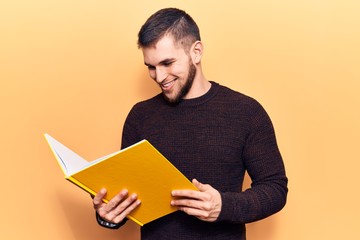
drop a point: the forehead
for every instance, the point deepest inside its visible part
(165, 48)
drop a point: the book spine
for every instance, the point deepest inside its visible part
(135, 220)
(79, 184)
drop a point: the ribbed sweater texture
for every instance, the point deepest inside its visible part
(214, 138)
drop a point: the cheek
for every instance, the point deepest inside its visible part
(179, 70)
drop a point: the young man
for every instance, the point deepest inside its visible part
(211, 133)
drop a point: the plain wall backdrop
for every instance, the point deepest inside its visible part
(71, 68)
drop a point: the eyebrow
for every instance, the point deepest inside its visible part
(163, 62)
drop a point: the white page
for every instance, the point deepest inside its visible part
(68, 160)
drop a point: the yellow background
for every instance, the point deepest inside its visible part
(71, 68)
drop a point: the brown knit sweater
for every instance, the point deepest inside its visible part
(214, 138)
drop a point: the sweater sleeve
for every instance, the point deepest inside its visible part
(130, 134)
(107, 224)
(265, 167)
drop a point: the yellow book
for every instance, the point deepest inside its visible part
(139, 168)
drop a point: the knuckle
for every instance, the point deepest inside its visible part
(206, 215)
(96, 201)
(185, 210)
(188, 203)
(207, 197)
(110, 217)
(107, 218)
(207, 206)
(112, 204)
(118, 219)
(129, 201)
(102, 212)
(118, 198)
(190, 193)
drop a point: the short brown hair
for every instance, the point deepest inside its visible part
(172, 21)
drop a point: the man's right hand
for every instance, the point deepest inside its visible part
(117, 208)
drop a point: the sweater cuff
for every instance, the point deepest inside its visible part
(107, 224)
(227, 210)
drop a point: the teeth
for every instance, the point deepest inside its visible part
(168, 83)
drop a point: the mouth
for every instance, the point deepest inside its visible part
(167, 85)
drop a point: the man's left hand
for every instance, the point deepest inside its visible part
(204, 204)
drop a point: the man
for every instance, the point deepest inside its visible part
(211, 133)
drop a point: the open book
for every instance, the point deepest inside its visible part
(139, 168)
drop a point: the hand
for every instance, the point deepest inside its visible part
(204, 204)
(117, 208)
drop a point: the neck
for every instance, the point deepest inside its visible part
(199, 87)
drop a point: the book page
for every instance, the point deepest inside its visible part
(69, 161)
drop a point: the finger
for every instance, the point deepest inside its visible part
(202, 187)
(124, 205)
(116, 200)
(121, 209)
(187, 194)
(192, 193)
(127, 211)
(204, 213)
(191, 203)
(97, 200)
(201, 214)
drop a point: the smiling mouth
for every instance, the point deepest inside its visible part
(168, 85)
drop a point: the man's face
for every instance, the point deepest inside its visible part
(171, 68)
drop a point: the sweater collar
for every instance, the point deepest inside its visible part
(202, 99)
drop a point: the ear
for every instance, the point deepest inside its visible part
(196, 52)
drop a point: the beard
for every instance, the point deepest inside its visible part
(184, 90)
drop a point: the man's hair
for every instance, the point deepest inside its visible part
(175, 22)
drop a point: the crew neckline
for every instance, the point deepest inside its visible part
(201, 99)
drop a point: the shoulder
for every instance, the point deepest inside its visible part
(149, 103)
(246, 108)
(236, 99)
(147, 107)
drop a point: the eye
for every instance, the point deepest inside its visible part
(151, 67)
(167, 64)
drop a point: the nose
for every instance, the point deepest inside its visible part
(160, 74)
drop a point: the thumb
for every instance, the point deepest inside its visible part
(98, 198)
(199, 185)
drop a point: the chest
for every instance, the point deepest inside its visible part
(202, 144)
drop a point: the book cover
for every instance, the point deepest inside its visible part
(140, 168)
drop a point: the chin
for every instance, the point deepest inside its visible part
(172, 99)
